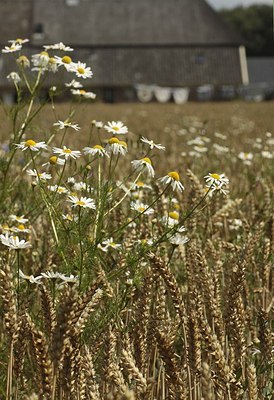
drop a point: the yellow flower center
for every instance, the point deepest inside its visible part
(60, 190)
(44, 53)
(215, 176)
(67, 151)
(19, 40)
(30, 143)
(122, 143)
(66, 60)
(141, 209)
(97, 146)
(21, 227)
(112, 244)
(140, 184)
(113, 140)
(81, 70)
(174, 215)
(80, 203)
(53, 160)
(82, 91)
(52, 60)
(115, 128)
(147, 160)
(174, 175)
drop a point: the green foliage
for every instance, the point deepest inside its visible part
(255, 25)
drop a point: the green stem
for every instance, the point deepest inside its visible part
(81, 248)
(18, 278)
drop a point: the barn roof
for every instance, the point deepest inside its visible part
(131, 22)
(15, 19)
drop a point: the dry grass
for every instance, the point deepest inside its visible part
(164, 322)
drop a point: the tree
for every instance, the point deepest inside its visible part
(255, 25)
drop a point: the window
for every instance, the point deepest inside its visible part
(200, 59)
(72, 3)
(39, 33)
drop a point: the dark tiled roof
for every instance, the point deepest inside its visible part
(127, 22)
(15, 19)
(260, 69)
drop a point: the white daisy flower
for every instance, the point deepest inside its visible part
(67, 124)
(178, 239)
(141, 208)
(14, 77)
(43, 176)
(82, 71)
(68, 217)
(12, 48)
(151, 144)
(58, 189)
(171, 220)
(19, 219)
(74, 84)
(32, 145)
(5, 228)
(23, 61)
(54, 160)
(30, 278)
(84, 202)
(78, 186)
(220, 149)
(235, 224)
(108, 243)
(71, 179)
(83, 93)
(69, 279)
(143, 165)
(53, 67)
(116, 146)
(66, 152)
(96, 150)
(216, 179)
(216, 187)
(66, 62)
(139, 185)
(13, 242)
(97, 124)
(198, 141)
(200, 149)
(194, 154)
(245, 157)
(58, 46)
(220, 135)
(20, 229)
(18, 41)
(267, 154)
(41, 59)
(173, 179)
(116, 128)
(51, 275)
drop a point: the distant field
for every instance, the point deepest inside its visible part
(152, 119)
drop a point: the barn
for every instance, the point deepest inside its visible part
(129, 43)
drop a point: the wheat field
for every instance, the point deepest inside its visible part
(136, 248)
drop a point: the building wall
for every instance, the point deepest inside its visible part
(163, 66)
(190, 66)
